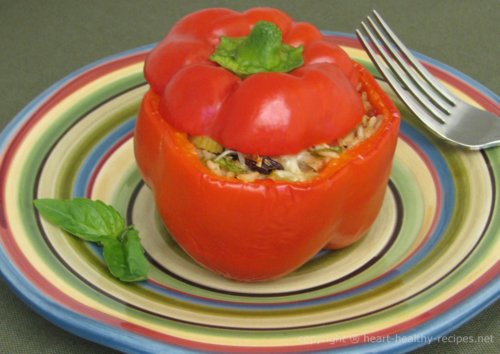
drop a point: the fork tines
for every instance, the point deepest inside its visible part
(409, 79)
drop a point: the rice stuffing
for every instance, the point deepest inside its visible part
(299, 167)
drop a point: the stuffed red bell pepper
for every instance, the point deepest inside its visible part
(261, 141)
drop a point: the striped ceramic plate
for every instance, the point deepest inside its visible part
(428, 264)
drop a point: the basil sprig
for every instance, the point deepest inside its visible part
(97, 222)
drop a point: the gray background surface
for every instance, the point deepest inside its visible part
(43, 41)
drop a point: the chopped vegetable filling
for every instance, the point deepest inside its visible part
(302, 166)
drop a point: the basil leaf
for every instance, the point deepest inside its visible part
(87, 219)
(97, 222)
(125, 257)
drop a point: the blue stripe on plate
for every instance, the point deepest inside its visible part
(90, 163)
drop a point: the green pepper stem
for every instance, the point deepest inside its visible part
(261, 51)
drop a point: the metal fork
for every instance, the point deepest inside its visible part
(442, 112)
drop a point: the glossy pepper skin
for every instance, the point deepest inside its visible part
(261, 230)
(290, 111)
